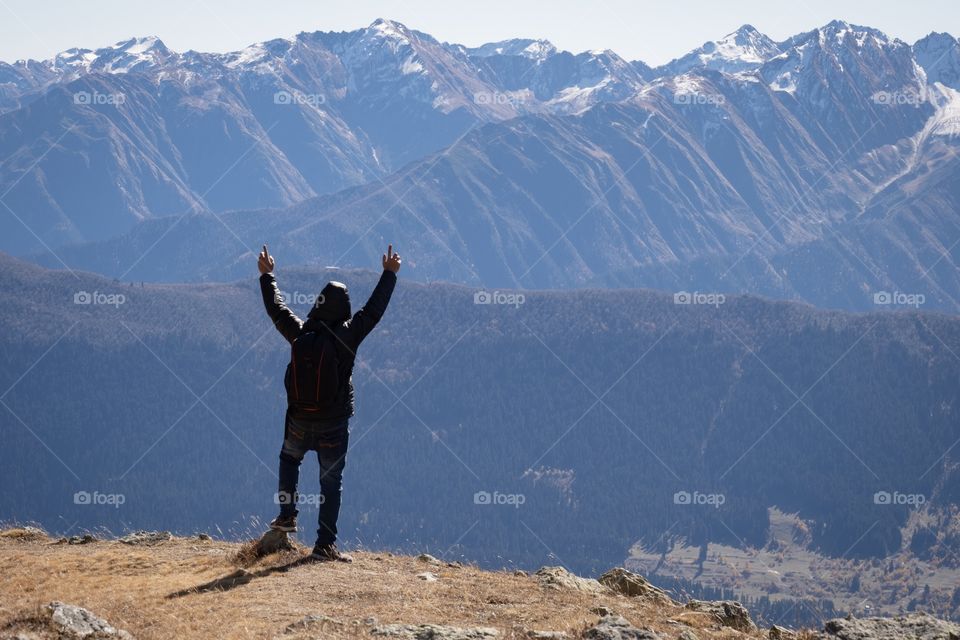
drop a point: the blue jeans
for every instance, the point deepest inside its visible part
(329, 439)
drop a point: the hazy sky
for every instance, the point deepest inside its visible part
(653, 32)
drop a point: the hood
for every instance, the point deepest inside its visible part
(332, 305)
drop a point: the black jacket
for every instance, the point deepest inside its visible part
(349, 331)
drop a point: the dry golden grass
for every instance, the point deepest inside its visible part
(188, 588)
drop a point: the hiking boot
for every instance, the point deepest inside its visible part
(329, 553)
(284, 523)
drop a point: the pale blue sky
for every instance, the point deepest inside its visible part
(650, 31)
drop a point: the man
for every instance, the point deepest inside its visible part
(320, 390)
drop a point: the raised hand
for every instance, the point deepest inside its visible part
(265, 261)
(390, 260)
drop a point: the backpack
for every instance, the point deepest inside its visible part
(312, 379)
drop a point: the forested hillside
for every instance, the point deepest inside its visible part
(563, 425)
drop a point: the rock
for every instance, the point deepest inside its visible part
(916, 626)
(632, 585)
(272, 542)
(520, 573)
(781, 633)
(602, 611)
(24, 534)
(146, 537)
(455, 565)
(617, 628)
(427, 576)
(204, 537)
(560, 578)
(84, 539)
(686, 634)
(370, 620)
(433, 632)
(70, 622)
(547, 635)
(314, 623)
(727, 612)
(429, 559)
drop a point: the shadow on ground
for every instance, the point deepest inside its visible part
(271, 542)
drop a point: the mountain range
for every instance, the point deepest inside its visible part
(821, 168)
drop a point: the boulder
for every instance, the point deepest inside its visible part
(433, 632)
(69, 622)
(429, 559)
(426, 576)
(916, 626)
(727, 612)
(272, 542)
(781, 633)
(633, 585)
(146, 537)
(24, 534)
(314, 624)
(560, 578)
(547, 635)
(617, 628)
(86, 538)
(686, 634)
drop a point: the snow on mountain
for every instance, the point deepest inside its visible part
(744, 49)
(842, 53)
(533, 49)
(322, 112)
(939, 56)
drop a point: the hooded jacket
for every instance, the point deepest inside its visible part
(332, 311)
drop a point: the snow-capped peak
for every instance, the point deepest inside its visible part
(134, 54)
(73, 59)
(840, 32)
(742, 50)
(389, 29)
(939, 56)
(525, 47)
(141, 46)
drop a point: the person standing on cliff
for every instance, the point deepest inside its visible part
(319, 389)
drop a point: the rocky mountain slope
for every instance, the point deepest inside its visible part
(199, 588)
(824, 170)
(98, 140)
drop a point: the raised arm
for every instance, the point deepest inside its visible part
(367, 318)
(285, 320)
